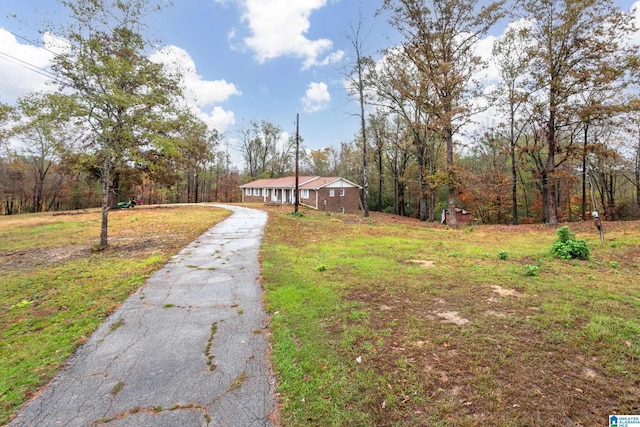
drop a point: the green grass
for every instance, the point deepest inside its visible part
(365, 339)
(55, 291)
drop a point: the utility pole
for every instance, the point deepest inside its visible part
(297, 194)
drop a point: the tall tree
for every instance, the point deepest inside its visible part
(122, 97)
(576, 44)
(511, 58)
(440, 41)
(357, 83)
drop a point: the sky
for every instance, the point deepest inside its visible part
(243, 60)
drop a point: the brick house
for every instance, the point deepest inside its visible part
(333, 194)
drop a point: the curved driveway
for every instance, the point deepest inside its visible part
(189, 348)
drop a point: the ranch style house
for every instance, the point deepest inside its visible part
(331, 194)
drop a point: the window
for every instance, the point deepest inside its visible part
(256, 191)
(342, 192)
(331, 192)
(247, 191)
(304, 194)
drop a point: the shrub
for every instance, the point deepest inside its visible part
(566, 246)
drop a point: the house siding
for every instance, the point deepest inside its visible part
(350, 201)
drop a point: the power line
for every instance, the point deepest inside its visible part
(31, 67)
(40, 45)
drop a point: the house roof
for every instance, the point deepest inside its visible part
(304, 182)
(286, 182)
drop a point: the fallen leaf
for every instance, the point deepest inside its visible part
(579, 390)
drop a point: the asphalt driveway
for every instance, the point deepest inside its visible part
(189, 348)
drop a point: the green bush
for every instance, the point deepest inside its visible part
(566, 246)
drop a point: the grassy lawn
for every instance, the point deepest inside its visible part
(54, 290)
(389, 322)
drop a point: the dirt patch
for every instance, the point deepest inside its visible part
(29, 259)
(423, 263)
(34, 258)
(506, 292)
(453, 317)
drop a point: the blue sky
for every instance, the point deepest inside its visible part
(243, 60)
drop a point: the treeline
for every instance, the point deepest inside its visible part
(31, 184)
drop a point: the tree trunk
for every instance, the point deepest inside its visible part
(105, 212)
(106, 187)
(380, 180)
(638, 175)
(422, 209)
(514, 177)
(453, 220)
(583, 208)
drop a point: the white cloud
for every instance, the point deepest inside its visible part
(221, 119)
(201, 95)
(23, 67)
(279, 28)
(198, 91)
(316, 97)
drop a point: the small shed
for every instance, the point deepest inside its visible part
(462, 217)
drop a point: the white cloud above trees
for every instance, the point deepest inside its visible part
(201, 95)
(316, 98)
(279, 28)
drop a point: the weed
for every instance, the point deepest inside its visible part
(503, 255)
(168, 305)
(614, 264)
(117, 388)
(98, 247)
(321, 267)
(116, 325)
(531, 270)
(207, 351)
(237, 383)
(22, 304)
